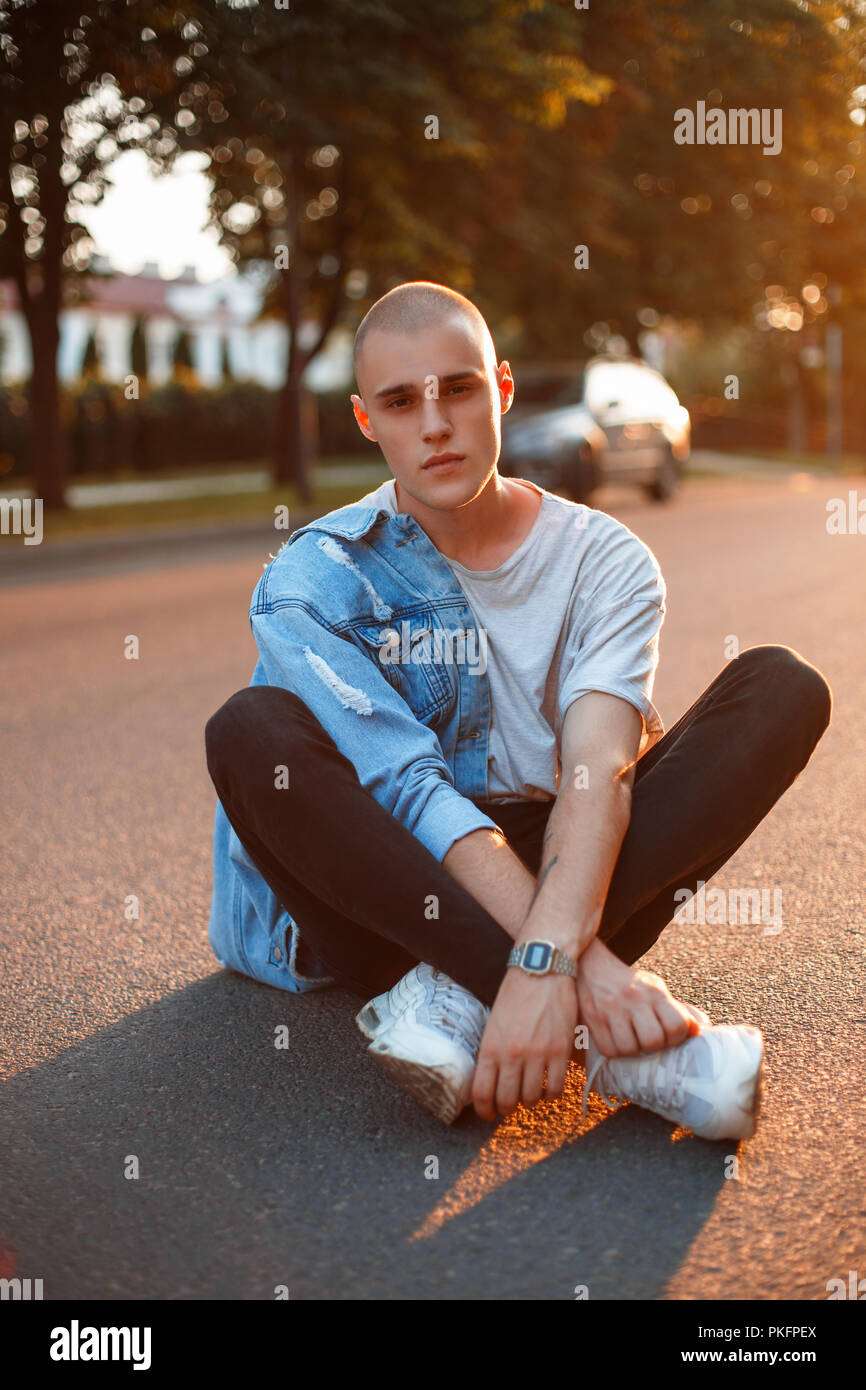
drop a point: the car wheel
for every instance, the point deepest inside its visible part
(667, 480)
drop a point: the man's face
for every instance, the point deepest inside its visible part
(433, 391)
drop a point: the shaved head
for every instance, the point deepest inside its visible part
(429, 385)
(421, 304)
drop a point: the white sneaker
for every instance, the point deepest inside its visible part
(426, 1033)
(711, 1083)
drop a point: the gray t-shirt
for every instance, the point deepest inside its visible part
(577, 607)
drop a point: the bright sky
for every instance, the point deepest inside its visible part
(144, 218)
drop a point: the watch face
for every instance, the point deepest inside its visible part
(537, 956)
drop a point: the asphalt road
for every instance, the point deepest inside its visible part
(306, 1167)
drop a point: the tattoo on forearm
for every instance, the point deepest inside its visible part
(543, 875)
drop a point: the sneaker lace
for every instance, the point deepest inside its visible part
(656, 1083)
(449, 1009)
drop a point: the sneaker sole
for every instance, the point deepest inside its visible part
(752, 1108)
(433, 1087)
(757, 1097)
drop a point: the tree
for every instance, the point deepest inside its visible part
(315, 119)
(716, 224)
(90, 365)
(80, 80)
(138, 351)
(227, 376)
(691, 231)
(554, 129)
(182, 355)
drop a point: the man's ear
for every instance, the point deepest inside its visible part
(362, 418)
(506, 387)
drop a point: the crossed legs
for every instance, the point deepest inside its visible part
(359, 883)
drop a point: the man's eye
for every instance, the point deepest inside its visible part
(399, 399)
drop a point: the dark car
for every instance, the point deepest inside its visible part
(616, 420)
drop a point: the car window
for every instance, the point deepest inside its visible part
(652, 393)
(637, 390)
(572, 392)
(545, 390)
(607, 383)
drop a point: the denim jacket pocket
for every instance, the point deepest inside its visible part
(404, 654)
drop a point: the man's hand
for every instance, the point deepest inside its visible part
(628, 1010)
(531, 1026)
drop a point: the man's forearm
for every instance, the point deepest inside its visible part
(487, 867)
(582, 841)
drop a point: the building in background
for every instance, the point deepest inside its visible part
(220, 318)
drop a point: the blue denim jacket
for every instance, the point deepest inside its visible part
(360, 616)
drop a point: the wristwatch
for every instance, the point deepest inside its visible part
(539, 957)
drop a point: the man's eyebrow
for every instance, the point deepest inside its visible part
(405, 387)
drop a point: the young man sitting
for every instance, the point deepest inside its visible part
(446, 786)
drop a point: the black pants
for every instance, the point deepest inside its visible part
(358, 883)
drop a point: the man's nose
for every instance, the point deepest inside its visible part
(434, 420)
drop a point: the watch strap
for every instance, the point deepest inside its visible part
(550, 960)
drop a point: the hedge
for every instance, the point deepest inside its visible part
(173, 425)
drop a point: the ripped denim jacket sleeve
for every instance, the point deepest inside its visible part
(398, 759)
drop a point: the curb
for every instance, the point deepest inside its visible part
(131, 549)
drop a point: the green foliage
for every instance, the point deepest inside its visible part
(54, 54)
(124, 62)
(338, 429)
(13, 431)
(166, 428)
(555, 129)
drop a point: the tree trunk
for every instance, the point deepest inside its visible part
(310, 425)
(47, 444)
(290, 459)
(793, 378)
(40, 292)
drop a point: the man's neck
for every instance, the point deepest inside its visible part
(484, 533)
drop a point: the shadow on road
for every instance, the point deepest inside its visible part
(305, 1167)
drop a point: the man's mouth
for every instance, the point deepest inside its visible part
(442, 463)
